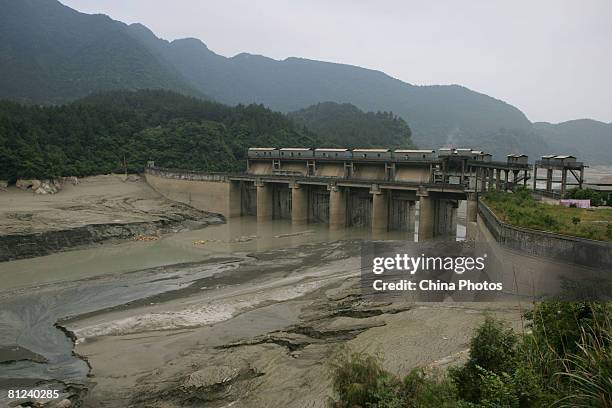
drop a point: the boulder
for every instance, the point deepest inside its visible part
(58, 183)
(24, 184)
(3, 185)
(46, 187)
(133, 177)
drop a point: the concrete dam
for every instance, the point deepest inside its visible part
(375, 188)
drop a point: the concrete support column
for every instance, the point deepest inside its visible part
(380, 211)
(264, 201)
(563, 182)
(525, 179)
(514, 177)
(426, 217)
(337, 208)
(483, 179)
(506, 179)
(498, 179)
(472, 207)
(235, 199)
(535, 177)
(299, 204)
(549, 175)
(491, 178)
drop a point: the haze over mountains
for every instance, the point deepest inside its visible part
(50, 53)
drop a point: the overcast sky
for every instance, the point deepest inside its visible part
(550, 58)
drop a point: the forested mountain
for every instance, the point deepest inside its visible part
(588, 139)
(50, 53)
(95, 135)
(435, 113)
(347, 126)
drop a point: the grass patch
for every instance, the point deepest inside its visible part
(522, 210)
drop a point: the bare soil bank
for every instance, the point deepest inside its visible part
(98, 209)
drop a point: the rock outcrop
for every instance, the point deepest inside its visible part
(26, 184)
(49, 186)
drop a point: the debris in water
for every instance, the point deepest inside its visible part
(141, 237)
(293, 234)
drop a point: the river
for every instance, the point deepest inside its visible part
(181, 280)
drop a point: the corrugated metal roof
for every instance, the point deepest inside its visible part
(412, 151)
(372, 150)
(262, 148)
(331, 149)
(296, 148)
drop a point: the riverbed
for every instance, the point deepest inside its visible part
(244, 313)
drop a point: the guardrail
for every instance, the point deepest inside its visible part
(180, 174)
(192, 175)
(575, 250)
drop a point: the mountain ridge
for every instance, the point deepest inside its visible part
(114, 55)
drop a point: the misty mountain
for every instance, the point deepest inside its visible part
(435, 113)
(587, 139)
(346, 125)
(50, 53)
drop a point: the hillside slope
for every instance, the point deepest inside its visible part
(100, 133)
(435, 113)
(588, 139)
(50, 53)
(347, 126)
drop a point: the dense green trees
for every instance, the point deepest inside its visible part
(96, 134)
(347, 126)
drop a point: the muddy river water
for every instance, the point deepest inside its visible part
(180, 281)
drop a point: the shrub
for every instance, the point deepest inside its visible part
(420, 389)
(589, 371)
(586, 194)
(566, 361)
(358, 380)
(492, 349)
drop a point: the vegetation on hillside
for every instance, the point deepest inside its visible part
(51, 53)
(521, 209)
(565, 360)
(347, 126)
(97, 134)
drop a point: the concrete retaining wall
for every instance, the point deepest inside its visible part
(596, 254)
(204, 191)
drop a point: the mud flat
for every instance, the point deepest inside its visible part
(278, 355)
(274, 336)
(98, 209)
